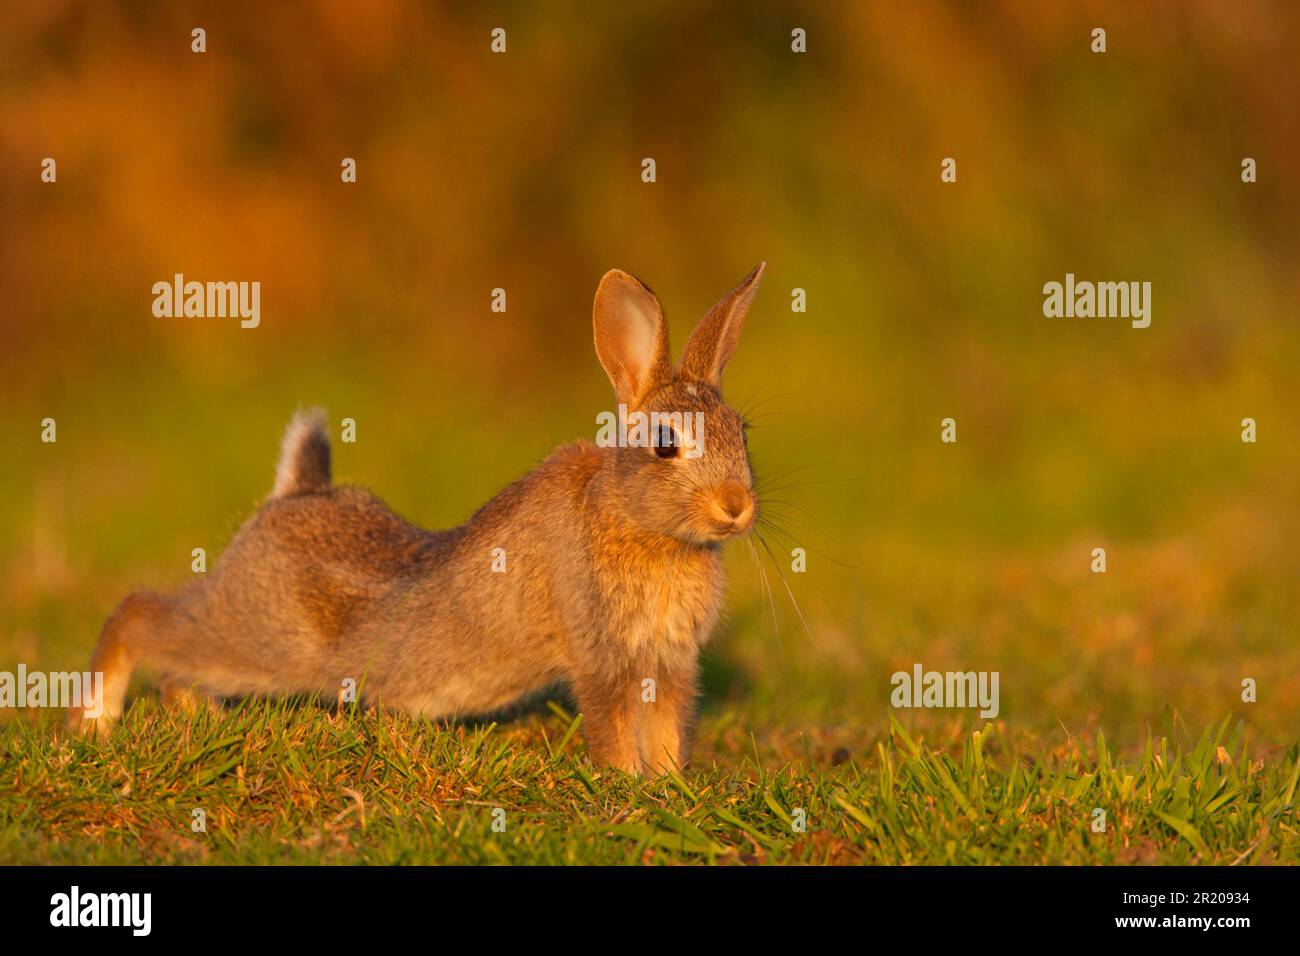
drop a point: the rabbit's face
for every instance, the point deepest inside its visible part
(692, 480)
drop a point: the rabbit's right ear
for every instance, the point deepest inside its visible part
(631, 337)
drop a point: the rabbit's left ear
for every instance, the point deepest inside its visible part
(631, 337)
(714, 340)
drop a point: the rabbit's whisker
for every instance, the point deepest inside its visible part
(781, 574)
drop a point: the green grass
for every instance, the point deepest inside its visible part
(286, 782)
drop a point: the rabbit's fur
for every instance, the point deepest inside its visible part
(613, 574)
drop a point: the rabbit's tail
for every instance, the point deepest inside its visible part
(304, 456)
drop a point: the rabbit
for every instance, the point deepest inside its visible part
(609, 578)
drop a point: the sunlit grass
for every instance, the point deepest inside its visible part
(287, 782)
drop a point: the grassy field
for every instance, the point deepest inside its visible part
(285, 783)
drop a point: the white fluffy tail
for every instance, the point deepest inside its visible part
(304, 456)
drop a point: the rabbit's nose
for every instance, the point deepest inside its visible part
(733, 504)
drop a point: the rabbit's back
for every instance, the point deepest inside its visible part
(320, 587)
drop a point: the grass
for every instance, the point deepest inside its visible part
(287, 782)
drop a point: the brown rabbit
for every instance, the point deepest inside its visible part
(609, 574)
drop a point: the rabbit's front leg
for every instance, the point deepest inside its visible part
(609, 719)
(666, 715)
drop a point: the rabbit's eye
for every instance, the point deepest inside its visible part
(667, 443)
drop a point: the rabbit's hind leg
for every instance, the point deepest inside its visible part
(186, 698)
(143, 621)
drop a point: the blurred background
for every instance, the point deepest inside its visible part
(523, 171)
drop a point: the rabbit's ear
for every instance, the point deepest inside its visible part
(631, 337)
(713, 342)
